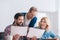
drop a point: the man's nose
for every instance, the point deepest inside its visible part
(21, 20)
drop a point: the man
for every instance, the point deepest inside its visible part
(18, 21)
(30, 18)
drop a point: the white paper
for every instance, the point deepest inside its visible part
(9, 37)
(22, 31)
(35, 32)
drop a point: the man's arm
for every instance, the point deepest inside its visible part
(33, 21)
(7, 32)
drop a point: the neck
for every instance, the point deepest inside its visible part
(29, 17)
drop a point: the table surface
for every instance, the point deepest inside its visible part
(49, 39)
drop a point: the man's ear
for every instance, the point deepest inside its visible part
(14, 19)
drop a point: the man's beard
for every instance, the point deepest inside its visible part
(19, 24)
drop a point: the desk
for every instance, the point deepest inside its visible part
(50, 39)
(43, 39)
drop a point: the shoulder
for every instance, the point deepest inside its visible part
(24, 13)
(8, 27)
(7, 30)
(50, 32)
(35, 17)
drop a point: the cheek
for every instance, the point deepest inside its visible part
(43, 24)
(19, 21)
(30, 15)
(22, 20)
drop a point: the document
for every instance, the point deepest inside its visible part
(35, 32)
(22, 31)
(8, 37)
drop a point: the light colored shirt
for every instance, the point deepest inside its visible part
(48, 35)
(7, 32)
(27, 21)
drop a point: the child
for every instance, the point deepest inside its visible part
(44, 24)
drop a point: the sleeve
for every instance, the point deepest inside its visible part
(53, 35)
(7, 31)
(33, 21)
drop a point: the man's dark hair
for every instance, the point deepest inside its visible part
(18, 15)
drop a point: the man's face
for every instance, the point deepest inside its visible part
(29, 15)
(32, 14)
(20, 20)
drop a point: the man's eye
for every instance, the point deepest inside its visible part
(19, 19)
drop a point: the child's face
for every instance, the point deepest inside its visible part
(43, 24)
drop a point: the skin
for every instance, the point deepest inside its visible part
(16, 37)
(31, 15)
(34, 38)
(43, 24)
(18, 22)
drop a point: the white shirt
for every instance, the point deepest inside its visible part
(27, 21)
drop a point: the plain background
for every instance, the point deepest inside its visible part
(48, 8)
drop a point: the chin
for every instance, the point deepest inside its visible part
(20, 24)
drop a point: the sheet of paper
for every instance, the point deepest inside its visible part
(35, 32)
(22, 31)
(8, 37)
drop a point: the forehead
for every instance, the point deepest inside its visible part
(34, 11)
(43, 20)
(21, 17)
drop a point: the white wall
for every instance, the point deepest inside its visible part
(53, 21)
(59, 18)
(39, 16)
(9, 7)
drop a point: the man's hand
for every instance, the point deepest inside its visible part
(16, 37)
(34, 38)
(57, 39)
